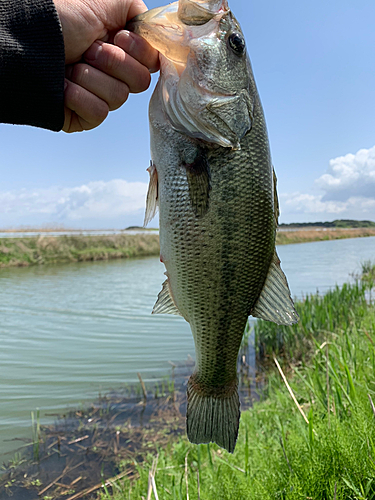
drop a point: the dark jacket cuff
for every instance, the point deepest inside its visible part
(32, 64)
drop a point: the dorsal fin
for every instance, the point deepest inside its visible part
(152, 200)
(275, 303)
(165, 303)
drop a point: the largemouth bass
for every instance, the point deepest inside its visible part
(212, 179)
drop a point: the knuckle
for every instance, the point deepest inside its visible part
(80, 73)
(99, 113)
(71, 95)
(146, 81)
(89, 108)
(142, 82)
(114, 57)
(120, 95)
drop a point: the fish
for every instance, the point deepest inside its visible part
(213, 182)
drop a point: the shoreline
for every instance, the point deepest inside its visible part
(325, 363)
(309, 235)
(44, 249)
(95, 439)
(38, 250)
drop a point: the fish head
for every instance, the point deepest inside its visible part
(206, 79)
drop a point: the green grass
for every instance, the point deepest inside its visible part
(78, 248)
(278, 455)
(319, 314)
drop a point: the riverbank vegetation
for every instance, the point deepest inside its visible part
(311, 436)
(36, 250)
(338, 223)
(321, 234)
(77, 248)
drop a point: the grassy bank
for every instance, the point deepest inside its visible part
(308, 235)
(80, 248)
(52, 250)
(319, 446)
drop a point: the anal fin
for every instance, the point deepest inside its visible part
(152, 201)
(165, 303)
(275, 303)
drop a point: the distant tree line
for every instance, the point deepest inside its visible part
(340, 223)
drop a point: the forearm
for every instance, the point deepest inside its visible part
(32, 64)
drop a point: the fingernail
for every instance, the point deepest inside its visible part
(93, 53)
(125, 40)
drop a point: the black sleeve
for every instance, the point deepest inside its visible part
(32, 64)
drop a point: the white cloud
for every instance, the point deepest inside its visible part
(99, 202)
(350, 175)
(314, 204)
(348, 191)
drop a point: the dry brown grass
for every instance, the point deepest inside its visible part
(82, 248)
(306, 235)
(76, 248)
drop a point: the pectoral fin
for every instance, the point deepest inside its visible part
(198, 177)
(275, 303)
(152, 202)
(276, 209)
(165, 303)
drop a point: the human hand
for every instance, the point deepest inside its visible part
(103, 63)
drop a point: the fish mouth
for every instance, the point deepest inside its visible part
(198, 12)
(169, 28)
(163, 30)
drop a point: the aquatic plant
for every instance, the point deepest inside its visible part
(319, 444)
(368, 277)
(319, 315)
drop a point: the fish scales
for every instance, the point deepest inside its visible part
(216, 264)
(218, 208)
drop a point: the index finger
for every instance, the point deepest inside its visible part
(138, 48)
(136, 7)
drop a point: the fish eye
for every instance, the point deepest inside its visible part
(237, 43)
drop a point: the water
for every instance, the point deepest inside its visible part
(69, 332)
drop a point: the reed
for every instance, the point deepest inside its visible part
(82, 248)
(77, 248)
(319, 316)
(309, 235)
(319, 444)
(35, 426)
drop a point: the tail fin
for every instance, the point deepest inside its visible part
(213, 417)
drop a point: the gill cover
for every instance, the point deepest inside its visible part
(204, 80)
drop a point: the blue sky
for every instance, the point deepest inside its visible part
(314, 67)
